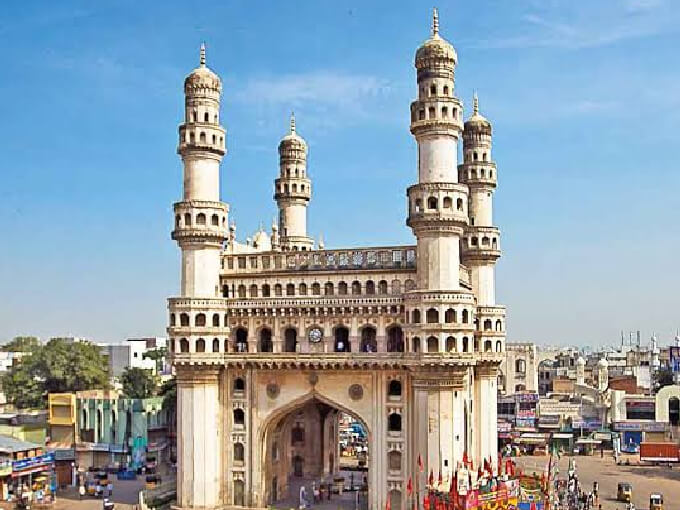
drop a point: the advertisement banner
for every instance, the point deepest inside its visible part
(526, 397)
(31, 462)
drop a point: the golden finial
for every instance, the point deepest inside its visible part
(292, 123)
(435, 22)
(475, 104)
(202, 60)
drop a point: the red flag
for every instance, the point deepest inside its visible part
(479, 472)
(426, 501)
(487, 466)
(430, 479)
(420, 464)
(465, 458)
(409, 487)
(388, 504)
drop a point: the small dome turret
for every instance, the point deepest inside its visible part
(477, 122)
(202, 78)
(580, 361)
(436, 50)
(603, 363)
(292, 140)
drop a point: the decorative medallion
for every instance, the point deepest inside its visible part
(315, 335)
(356, 392)
(273, 390)
(313, 379)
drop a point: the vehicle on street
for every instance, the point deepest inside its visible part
(624, 492)
(656, 501)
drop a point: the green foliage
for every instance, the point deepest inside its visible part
(138, 382)
(168, 391)
(157, 355)
(59, 366)
(663, 377)
(22, 344)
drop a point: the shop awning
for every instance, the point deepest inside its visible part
(585, 440)
(562, 435)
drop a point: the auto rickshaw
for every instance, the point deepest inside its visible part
(656, 501)
(624, 492)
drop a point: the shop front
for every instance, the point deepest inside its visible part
(635, 432)
(5, 479)
(34, 476)
(64, 465)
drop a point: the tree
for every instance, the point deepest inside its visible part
(158, 356)
(138, 382)
(663, 377)
(22, 344)
(59, 366)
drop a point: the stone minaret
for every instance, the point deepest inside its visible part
(201, 227)
(440, 313)
(292, 192)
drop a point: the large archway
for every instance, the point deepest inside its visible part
(319, 445)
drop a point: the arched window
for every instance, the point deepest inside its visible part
(206, 117)
(290, 340)
(238, 452)
(215, 220)
(394, 422)
(415, 344)
(239, 385)
(183, 345)
(499, 346)
(241, 291)
(241, 340)
(432, 344)
(200, 345)
(394, 461)
(459, 204)
(446, 90)
(396, 286)
(192, 137)
(450, 316)
(487, 325)
(216, 345)
(303, 289)
(431, 112)
(488, 346)
(368, 340)
(253, 290)
(499, 325)
(370, 287)
(432, 316)
(382, 287)
(328, 289)
(239, 493)
(216, 320)
(520, 366)
(201, 137)
(266, 344)
(409, 285)
(447, 203)
(178, 219)
(433, 89)
(199, 321)
(290, 289)
(466, 344)
(415, 316)
(466, 316)
(445, 112)
(183, 319)
(432, 203)
(342, 339)
(239, 417)
(187, 219)
(450, 344)
(395, 339)
(297, 435)
(356, 288)
(265, 290)
(394, 388)
(342, 288)
(316, 289)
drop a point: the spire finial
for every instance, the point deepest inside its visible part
(435, 22)
(292, 123)
(475, 103)
(202, 59)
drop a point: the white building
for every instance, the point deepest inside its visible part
(132, 353)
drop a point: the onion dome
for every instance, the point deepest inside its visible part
(436, 50)
(292, 140)
(202, 78)
(477, 122)
(603, 363)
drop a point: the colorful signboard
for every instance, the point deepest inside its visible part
(637, 426)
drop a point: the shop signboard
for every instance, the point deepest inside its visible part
(526, 397)
(637, 426)
(32, 462)
(100, 447)
(526, 413)
(524, 422)
(117, 448)
(5, 468)
(65, 454)
(504, 426)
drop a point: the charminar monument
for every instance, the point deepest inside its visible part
(274, 338)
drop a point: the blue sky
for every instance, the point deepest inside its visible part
(584, 97)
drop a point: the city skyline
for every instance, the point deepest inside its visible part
(86, 208)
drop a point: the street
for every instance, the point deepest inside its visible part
(645, 479)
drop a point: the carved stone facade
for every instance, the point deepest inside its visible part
(273, 339)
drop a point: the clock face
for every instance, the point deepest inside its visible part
(315, 335)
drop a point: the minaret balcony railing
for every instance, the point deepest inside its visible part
(187, 331)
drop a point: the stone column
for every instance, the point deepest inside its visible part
(485, 413)
(199, 441)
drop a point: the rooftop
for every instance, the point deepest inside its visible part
(11, 445)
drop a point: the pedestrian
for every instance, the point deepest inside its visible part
(81, 491)
(109, 488)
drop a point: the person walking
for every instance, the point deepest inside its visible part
(81, 491)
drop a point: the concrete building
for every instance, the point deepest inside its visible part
(519, 369)
(275, 338)
(132, 353)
